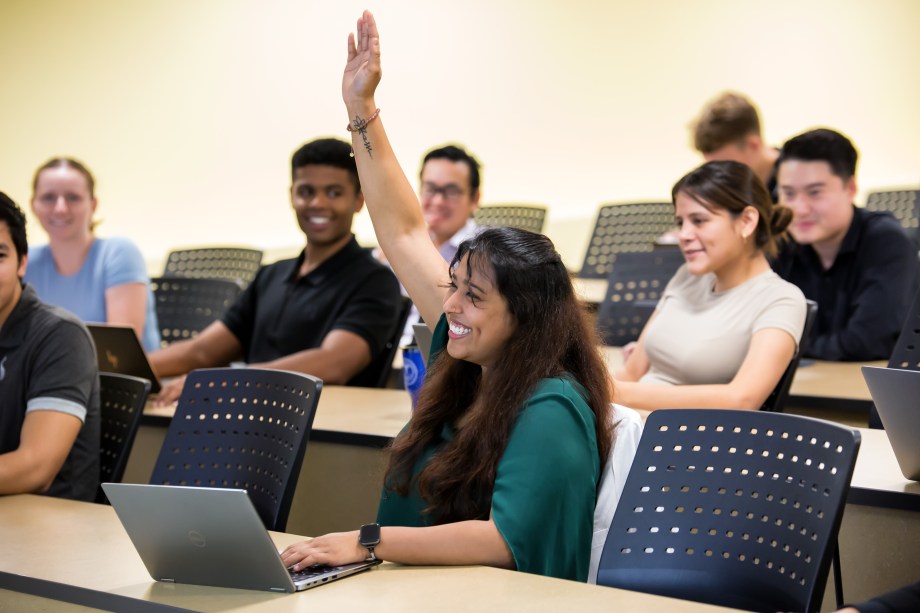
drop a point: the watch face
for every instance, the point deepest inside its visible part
(370, 535)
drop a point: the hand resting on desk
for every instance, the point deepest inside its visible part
(170, 392)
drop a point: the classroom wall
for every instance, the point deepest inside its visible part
(188, 111)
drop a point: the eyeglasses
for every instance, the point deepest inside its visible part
(449, 192)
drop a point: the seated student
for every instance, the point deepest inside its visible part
(500, 462)
(859, 266)
(49, 387)
(100, 280)
(726, 326)
(729, 129)
(327, 313)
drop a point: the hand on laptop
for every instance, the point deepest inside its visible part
(333, 549)
(170, 392)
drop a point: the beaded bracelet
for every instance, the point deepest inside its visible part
(362, 124)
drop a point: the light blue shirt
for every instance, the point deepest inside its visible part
(110, 262)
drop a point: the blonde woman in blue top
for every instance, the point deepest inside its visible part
(500, 463)
(102, 280)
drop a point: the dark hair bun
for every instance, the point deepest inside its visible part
(780, 219)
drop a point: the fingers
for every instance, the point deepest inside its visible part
(352, 52)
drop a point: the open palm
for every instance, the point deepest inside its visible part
(362, 72)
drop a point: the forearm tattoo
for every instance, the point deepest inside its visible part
(361, 126)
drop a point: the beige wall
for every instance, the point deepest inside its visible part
(188, 110)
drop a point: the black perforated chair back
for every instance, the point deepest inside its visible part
(243, 428)
(904, 204)
(122, 399)
(776, 401)
(524, 216)
(731, 508)
(624, 228)
(185, 307)
(633, 289)
(237, 264)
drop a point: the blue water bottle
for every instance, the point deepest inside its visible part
(413, 371)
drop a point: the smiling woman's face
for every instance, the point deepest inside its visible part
(478, 316)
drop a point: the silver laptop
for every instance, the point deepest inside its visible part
(118, 350)
(896, 394)
(423, 340)
(209, 536)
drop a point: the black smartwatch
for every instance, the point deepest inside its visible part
(369, 537)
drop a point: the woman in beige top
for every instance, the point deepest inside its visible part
(726, 326)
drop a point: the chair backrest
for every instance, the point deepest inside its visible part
(524, 216)
(185, 307)
(626, 436)
(733, 508)
(906, 353)
(776, 401)
(904, 204)
(377, 374)
(122, 399)
(237, 264)
(633, 289)
(243, 428)
(624, 228)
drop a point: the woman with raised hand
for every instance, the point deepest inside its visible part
(102, 280)
(726, 326)
(500, 462)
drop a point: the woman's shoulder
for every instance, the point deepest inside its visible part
(771, 285)
(559, 391)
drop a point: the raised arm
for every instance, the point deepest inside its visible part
(391, 201)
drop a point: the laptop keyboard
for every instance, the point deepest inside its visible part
(313, 571)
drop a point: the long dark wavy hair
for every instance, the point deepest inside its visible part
(552, 336)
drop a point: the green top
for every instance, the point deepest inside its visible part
(546, 484)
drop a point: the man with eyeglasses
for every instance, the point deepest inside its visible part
(449, 196)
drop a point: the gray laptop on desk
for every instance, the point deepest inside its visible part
(119, 351)
(896, 394)
(209, 536)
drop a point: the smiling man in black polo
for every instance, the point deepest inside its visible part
(327, 313)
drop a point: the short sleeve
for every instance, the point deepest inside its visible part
(63, 372)
(785, 311)
(372, 310)
(546, 484)
(123, 263)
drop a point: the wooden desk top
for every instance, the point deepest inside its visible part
(592, 291)
(83, 544)
(877, 478)
(364, 416)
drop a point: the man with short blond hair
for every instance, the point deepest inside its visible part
(729, 129)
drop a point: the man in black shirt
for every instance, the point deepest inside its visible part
(327, 313)
(49, 387)
(859, 266)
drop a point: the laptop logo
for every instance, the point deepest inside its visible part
(112, 358)
(196, 538)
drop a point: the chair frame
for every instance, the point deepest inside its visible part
(732, 508)
(624, 228)
(187, 305)
(237, 264)
(121, 401)
(524, 216)
(243, 428)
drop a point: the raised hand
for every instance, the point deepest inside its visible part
(362, 72)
